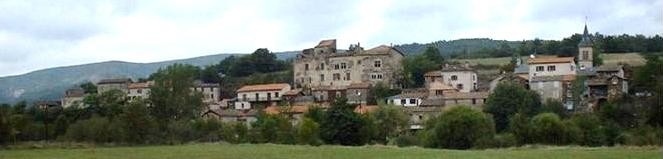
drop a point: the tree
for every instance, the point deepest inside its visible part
(110, 103)
(341, 125)
(308, 132)
(390, 121)
(591, 130)
(460, 128)
(433, 54)
(315, 113)
(520, 127)
(89, 87)
(509, 98)
(379, 92)
(414, 68)
(5, 127)
(139, 125)
(547, 128)
(171, 95)
(554, 106)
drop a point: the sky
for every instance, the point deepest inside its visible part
(39, 34)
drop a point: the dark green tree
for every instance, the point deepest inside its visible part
(139, 125)
(390, 121)
(433, 54)
(341, 125)
(89, 87)
(459, 128)
(510, 98)
(171, 96)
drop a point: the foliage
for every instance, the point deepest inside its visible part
(315, 113)
(379, 92)
(498, 141)
(459, 128)
(171, 96)
(433, 54)
(547, 128)
(509, 98)
(139, 126)
(341, 125)
(274, 129)
(520, 127)
(554, 106)
(593, 133)
(414, 68)
(89, 87)
(641, 136)
(405, 140)
(308, 132)
(390, 122)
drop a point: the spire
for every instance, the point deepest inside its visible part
(586, 40)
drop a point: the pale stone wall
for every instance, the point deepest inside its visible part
(466, 81)
(560, 69)
(549, 89)
(587, 63)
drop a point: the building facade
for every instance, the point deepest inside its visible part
(325, 67)
(121, 84)
(267, 94)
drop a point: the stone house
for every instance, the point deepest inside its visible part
(325, 67)
(551, 66)
(294, 113)
(473, 99)
(357, 93)
(73, 97)
(232, 116)
(139, 90)
(121, 84)
(211, 92)
(461, 77)
(409, 98)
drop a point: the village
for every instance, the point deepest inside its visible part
(324, 73)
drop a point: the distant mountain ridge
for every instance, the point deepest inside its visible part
(49, 84)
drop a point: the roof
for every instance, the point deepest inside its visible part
(297, 109)
(456, 68)
(203, 84)
(383, 49)
(433, 74)
(601, 80)
(140, 85)
(362, 85)
(263, 87)
(466, 95)
(293, 92)
(553, 78)
(74, 92)
(363, 109)
(114, 81)
(609, 68)
(521, 69)
(422, 109)
(412, 93)
(433, 101)
(235, 113)
(437, 85)
(549, 59)
(586, 39)
(327, 43)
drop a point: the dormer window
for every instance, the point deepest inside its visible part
(551, 68)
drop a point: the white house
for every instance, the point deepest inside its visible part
(268, 94)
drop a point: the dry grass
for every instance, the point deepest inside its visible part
(633, 59)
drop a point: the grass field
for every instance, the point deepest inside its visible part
(633, 59)
(332, 152)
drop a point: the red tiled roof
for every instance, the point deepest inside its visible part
(549, 59)
(363, 109)
(297, 109)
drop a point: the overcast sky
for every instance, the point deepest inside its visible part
(48, 33)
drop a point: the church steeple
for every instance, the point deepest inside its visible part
(586, 40)
(585, 51)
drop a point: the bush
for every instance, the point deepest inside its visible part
(592, 133)
(547, 129)
(95, 129)
(178, 132)
(520, 127)
(459, 128)
(406, 140)
(308, 132)
(642, 136)
(497, 141)
(341, 125)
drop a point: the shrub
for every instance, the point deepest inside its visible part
(592, 133)
(308, 132)
(641, 136)
(520, 127)
(497, 141)
(406, 140)
(459, 128)
(341, 125)
(547, 128)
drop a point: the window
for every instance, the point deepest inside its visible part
(336, 66)
(257, 96)
(585, 55)
(377, 63)
(403, 101)
(276, 94)
(474, 101)
(344, 66)
(551, 68)
(140, 91)
(269, 95)
(347, 76)
(336, 76)
(244, 97)
(454, 77)
(474, 77)
(413, 101)
(358, 61)
(376, 76)
(322, 77)
(322, 66)
(539, 68)
(475, 86)
(306, 67)
(459, 86)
